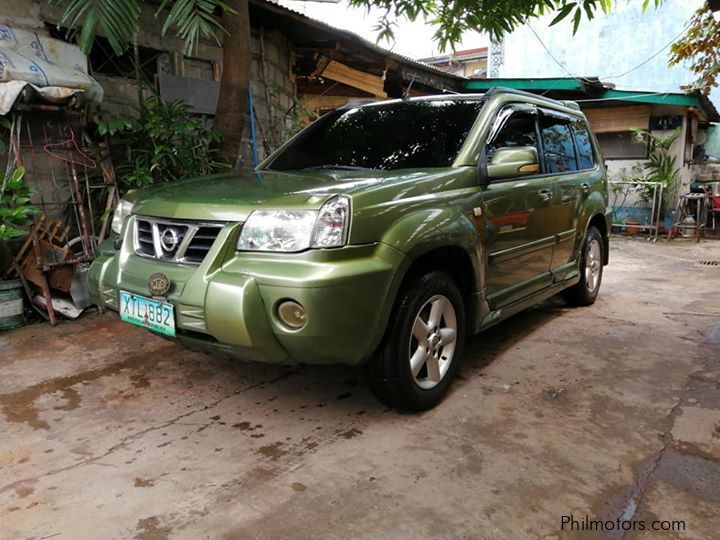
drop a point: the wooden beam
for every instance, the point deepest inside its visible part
(317, 103)
(372, 84)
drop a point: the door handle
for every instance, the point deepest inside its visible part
(585, 188)
(545, 195)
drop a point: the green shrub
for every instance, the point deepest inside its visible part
(165, 142)
(16, 212)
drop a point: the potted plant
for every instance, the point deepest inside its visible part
(661, 167)
(16, 214)
(623, 189)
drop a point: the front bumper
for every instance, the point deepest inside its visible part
(228, 303)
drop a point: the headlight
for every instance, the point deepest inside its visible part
(297, 230)
(277, 230)
(122, 210)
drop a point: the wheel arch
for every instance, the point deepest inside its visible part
(453, 260)
(600, 223)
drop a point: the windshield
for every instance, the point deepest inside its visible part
(394, 135)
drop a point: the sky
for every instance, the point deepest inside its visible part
(411, 39)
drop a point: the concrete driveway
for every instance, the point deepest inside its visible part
(602, 413)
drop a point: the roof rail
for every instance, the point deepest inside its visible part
(358, 102)
(498, 89)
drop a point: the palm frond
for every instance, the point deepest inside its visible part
(193, 20)
(117, 20)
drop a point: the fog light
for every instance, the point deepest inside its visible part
(292, 314)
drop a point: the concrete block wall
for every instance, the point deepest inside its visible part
(21, 13)
(47, 175)
(274, 93)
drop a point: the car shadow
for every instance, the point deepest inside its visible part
(480, 351)
(342, 389)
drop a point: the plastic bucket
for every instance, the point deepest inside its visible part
(11, 304)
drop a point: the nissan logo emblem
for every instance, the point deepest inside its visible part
(169, 240)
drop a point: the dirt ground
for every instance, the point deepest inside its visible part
(605, 413)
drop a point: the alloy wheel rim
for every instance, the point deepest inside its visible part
(432, 342)
(593, 265)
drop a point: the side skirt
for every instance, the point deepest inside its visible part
(500, 314)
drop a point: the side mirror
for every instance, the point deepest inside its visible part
(511, 162)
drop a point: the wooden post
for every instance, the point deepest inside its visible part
(43, 279)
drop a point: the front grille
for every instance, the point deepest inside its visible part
(144, 238)
(174, 241)
(201, 243)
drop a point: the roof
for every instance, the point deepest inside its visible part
(467, 54)
(584, 84)
(592, 90)
(349, 39)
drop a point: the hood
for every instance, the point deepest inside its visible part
(232, 196)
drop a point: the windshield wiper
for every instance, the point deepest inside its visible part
(328, 167)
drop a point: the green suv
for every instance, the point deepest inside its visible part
(384, 233)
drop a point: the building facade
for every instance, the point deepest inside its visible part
(627, 48)
(471, 63)
(300, 67)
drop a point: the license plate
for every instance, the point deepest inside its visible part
(148, 313)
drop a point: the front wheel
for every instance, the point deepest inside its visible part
(420, 353)
(586, 290)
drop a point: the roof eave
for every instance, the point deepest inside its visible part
(457, 80)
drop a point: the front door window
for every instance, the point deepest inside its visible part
(520, 217)
(558, 144)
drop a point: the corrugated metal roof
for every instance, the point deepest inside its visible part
(598, 92)
(366, 43)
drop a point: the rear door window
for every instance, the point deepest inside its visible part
(558, 145)
(586, 155)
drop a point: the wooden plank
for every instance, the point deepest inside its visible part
(52, 233)
(42, 280)
(613, 119)
(107, 214)
(372, 84)
(28, 241)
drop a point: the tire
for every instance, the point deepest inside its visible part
(586, 290)
(431, 298)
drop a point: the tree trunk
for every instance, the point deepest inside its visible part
(232, 106)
